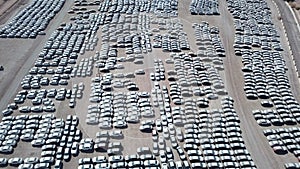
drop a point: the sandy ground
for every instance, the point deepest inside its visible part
(18, 55)
(12, 63)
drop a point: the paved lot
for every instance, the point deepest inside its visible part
(18, 57)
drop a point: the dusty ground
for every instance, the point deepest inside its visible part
(8, 7)
(297, 12)
(17, 56)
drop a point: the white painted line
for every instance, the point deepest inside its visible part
(288, 42)
(295, 18)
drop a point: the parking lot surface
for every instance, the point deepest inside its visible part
(148, 84)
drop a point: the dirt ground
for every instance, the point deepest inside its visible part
(17, 55)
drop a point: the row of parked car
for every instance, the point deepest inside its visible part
(125, 7)
(84, 68)
(118, 161)
(166, 8)
(57, 138)
(265, 42)
(107, 59)
(54, 67)
(201, 128)
(77, 92)
(32, 20)
(173, 43)
(123, 33)
(270, 117)
(202, 7)
(159, 69)
(162, 95)
(265, 78)
(292, 165)
(116, 108)
(265, 72)
(175, 40)
(167, 24)
(190, 71)
(179, 116)
(38, 101)
(208, 39)
(210, 138)
(196, 133)
(284, 140)
(118, 34)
